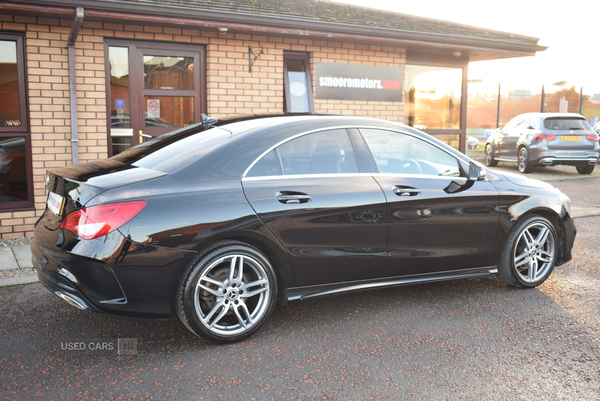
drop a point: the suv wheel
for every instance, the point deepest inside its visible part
(489, 157)
(525, 165)
(585, 169)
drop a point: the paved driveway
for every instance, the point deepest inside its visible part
(474, 339)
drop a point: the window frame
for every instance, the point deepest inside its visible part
(137, 92)
(21, 131)
(305, 58)
(21, 68)
(362, 154)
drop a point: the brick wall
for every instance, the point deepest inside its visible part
(231, 89)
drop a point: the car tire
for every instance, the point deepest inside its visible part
(228, 293)
(489, 157)
(530, 253)
(525, 165)
(585, 169)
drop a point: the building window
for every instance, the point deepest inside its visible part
(433, 97)
(298, 85)
(15, 175)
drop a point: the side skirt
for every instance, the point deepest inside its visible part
(507, 159)
(309, 292)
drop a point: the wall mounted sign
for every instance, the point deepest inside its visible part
(358, 82)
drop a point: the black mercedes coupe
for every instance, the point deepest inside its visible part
(220, 220)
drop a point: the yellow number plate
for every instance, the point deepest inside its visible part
(570, 138)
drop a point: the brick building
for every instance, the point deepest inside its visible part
(135, 69)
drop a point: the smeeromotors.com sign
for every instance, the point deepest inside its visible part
(358, 82)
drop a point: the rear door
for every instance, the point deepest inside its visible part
(330, 217)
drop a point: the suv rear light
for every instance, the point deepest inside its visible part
(96, 221)
(547, 137)
(592, 137)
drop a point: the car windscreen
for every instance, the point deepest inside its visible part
(566, 124)
(170, 153)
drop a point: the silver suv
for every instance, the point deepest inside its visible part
(545, 139)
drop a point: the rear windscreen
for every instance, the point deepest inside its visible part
(566, 124)
(170, 153)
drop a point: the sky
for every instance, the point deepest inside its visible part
(570, 29)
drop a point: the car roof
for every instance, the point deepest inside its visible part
(553, 115)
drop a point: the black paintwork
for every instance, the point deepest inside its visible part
(354, 233)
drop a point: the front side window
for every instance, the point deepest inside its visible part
(398, 153)
(327, 152)
(433, 97)
(298, 86)
(15, 185)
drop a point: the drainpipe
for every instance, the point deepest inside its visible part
(77, 22)
(498, 111)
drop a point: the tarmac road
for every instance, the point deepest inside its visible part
(467, 340)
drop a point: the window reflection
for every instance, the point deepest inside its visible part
(433, 97)
(168, 72)
(13, 170)
(9, 85)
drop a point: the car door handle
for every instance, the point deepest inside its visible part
(290, 198)
(406, 191)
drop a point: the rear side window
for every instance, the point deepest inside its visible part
(566, 124)
(267, 166)
(326, 152)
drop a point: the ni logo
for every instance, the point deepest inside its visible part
(127, 346)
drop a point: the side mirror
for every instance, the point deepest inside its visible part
(476, 172)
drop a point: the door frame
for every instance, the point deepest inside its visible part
(136, 82)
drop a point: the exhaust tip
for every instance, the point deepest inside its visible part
(71, 300)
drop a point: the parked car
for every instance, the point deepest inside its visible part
(220, 220)
(596, 127)
(545, 139)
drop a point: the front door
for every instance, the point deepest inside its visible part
(437, 220)
(154, 88)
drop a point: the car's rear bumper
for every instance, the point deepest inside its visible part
(566, 161)
(551, 157)
(111, 275)
(81, 281)
(62, 288)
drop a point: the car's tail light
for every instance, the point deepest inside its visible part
(547, 137)
(96, 221)
(592, 137)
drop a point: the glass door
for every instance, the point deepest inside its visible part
(154, 88)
